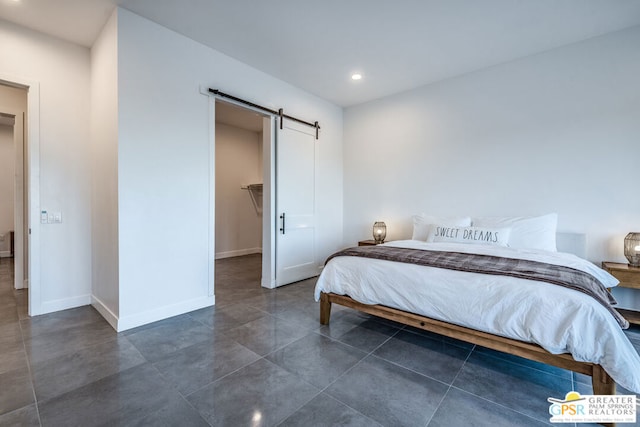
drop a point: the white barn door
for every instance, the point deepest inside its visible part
(295, 203)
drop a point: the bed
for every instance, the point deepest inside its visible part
(514, 315)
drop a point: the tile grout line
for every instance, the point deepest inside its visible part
(250, 363)
(410, 369)
(355, 364)
(330, 397)
(499, 404)
(31, 378)
(367, 355)
(322, 390)
(183, 397)
(224, 376)
(513, 362)
(482, 397)
(450, 385)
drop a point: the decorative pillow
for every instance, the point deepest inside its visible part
(422, 224)
(475, 235)
(537, 232)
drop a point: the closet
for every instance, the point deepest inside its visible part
(238, 181)
(265, 184)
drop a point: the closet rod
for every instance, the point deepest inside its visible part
(278, 113)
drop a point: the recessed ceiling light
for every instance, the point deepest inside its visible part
(356, 76)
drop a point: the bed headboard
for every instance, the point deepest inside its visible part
(573, 243)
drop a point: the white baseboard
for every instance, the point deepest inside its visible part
(105, 312)
(123, 323)
(5, 254)
(239, 252)
(64, 304)
(266, 283)
(139, 319)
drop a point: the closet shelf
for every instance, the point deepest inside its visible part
(252, 187)
(255, 191)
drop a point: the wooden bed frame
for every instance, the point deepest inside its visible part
(601, 381)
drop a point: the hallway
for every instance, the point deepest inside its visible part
(13, 303)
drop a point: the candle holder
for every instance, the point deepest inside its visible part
(379, 231)
(632, 249)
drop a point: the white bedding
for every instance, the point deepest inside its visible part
(558, 319)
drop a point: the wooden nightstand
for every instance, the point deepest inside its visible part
(629, 277)
(367, 243)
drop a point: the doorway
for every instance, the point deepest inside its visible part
(287, 206)
(239, 182)
(14, 242)
(7, 185)
(13, 188)
(20, 98)
(243, 189)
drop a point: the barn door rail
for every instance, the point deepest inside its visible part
(279, 113)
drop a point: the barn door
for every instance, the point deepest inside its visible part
(295, 203)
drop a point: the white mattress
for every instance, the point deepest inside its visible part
(558, 319)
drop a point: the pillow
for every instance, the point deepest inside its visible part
(533, 232)
(422, 224)
(476, 235)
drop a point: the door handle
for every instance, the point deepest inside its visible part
(283, 219)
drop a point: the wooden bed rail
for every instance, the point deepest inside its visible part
(601, 381)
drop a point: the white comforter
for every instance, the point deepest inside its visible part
(558, 319)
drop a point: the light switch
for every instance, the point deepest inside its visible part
(57, 217)
(44, 218)
(50, 218)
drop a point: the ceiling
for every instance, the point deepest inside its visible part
(317, 45)
(239, 117)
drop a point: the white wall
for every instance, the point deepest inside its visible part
(62, 71)
(554, 132)
(7, 170)
(163, 163)
(238, 163)
(104, 164)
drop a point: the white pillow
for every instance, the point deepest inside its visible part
(537, 232)
(422, 224)
(476, 235)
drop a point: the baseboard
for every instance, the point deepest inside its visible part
(266, 283)
(135, 320)
(64, 304)
(105, 312)
(239, 252)
(5, 254)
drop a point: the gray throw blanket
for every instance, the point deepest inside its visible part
(488, 264)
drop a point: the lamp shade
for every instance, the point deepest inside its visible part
(379, 231)
(632, 249)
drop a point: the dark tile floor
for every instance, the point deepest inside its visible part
(259, 358)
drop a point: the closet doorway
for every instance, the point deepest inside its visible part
(242, 207)
(14, 196)
(264, 165)
(14, 241)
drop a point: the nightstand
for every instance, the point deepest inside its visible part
(367, 243)
(629, 277)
